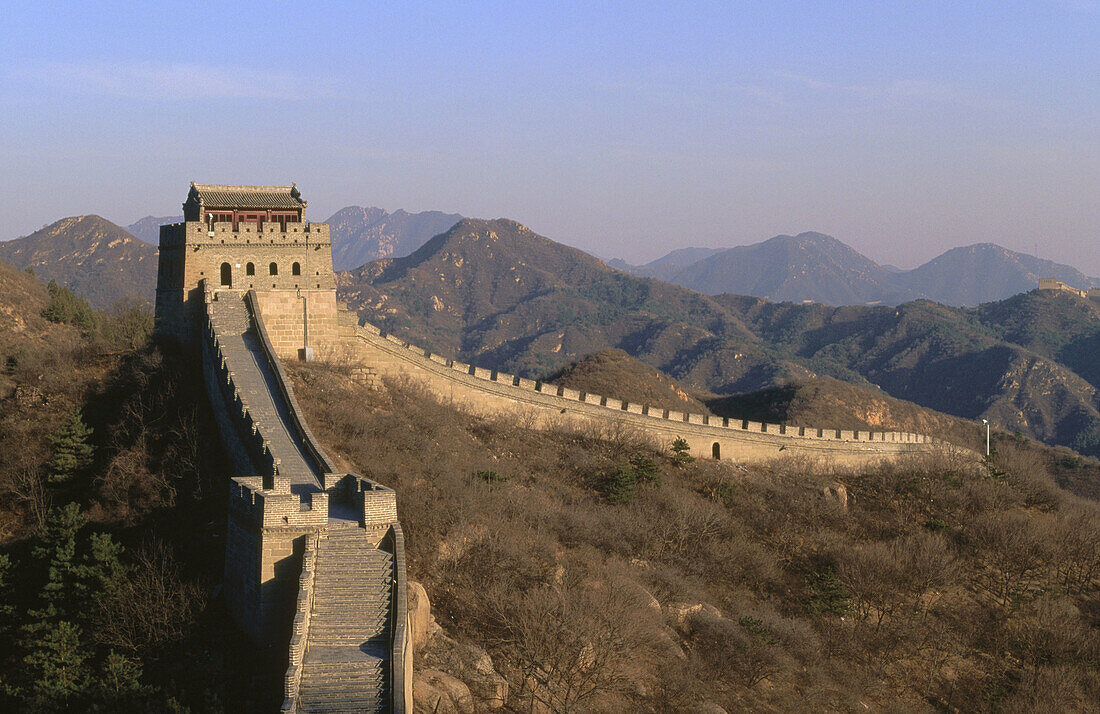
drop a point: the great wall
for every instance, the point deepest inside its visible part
(315, 557)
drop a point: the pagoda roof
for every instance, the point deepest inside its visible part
(224, 196)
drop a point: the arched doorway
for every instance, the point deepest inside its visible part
(716, 451)
(227, 275)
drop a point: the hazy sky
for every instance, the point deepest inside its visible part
(627, 129)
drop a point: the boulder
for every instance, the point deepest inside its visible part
(471, 664)
(681, 613)
(836, 494)
(708, 708)
(435, 691)
(420, 613)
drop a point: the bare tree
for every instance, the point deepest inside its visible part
(573, 643)
(153, 606)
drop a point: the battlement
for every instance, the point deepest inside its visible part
(173, 235)
(564, 400)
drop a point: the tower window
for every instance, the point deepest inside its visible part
(250, 269)
(273, 268)
(227, 275)
(296, 269)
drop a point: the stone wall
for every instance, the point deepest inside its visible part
(289, 314)
(541, 405)
(299, 632)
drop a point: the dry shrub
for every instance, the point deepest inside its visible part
(1075, 542)
(575, 645)
(746, 648)
(884, 579)
(524, 564)
(681, 524)
(1016, 551)
(153, 607)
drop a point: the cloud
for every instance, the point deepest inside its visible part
(167, 81)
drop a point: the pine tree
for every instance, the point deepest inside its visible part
(72, 452)
(58, 548)
(645, 470)
(101, 573)
(680, 455)
(621, 485)
(56, 661)
(66, 306)
(120, 674)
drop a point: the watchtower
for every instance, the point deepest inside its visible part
(248, 238)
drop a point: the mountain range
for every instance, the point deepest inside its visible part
(93, 256)
(819, 268)
(496, 294)
(360, 235)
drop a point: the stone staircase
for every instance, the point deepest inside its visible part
(346, 664)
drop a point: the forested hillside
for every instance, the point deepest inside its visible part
(112, 511)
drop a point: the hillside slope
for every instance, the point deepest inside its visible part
(984, 272)
(710, 584)
(612, 371)
(360, 235)
(97, 259)
(494, 293)
(148, 228)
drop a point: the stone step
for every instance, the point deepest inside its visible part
(338, 611)
(333, 580)
(376, 628)
(334, 607)
(347, 619)
(344, 706)
(358, 553)
(364, 682)
(354, 639)
(358, 680)
(353, 568)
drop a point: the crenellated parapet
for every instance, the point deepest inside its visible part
(721, 437)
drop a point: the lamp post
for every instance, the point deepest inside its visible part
(986, 422)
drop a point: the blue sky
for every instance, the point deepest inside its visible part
(627, 129)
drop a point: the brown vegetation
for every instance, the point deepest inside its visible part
(614, 373)
(946, 584)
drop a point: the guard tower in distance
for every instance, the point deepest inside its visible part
(249, 238)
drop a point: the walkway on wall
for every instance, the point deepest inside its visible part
(348, 645)
(252, 373)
